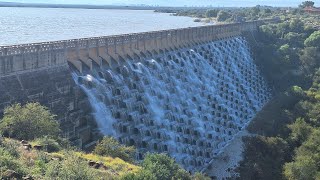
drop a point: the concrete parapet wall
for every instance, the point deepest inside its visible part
(85, 53)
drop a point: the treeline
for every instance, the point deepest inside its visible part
(229, 14)
(287, 145)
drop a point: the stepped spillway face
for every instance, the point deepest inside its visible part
(188, 103)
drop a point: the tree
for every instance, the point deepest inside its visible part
(306, 162)
(222, 16)
(300, 130)
(306, 4)
(296, 25)
(211, 13)
(255, 10)
(109, 146)
(309, 58)
(295, 39)
(263, 158)
(29, 122)
(267, 11)
(161, 166)
(313, 40)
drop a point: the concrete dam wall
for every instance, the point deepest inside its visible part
(186, 92)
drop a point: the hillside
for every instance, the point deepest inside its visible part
(38, 161)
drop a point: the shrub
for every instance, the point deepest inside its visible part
(313, 40)
(222, 16)
(28, 122)
(109, 146)
(71, 168)
(212, 13)
(49, 144)
(9, 162)
(160, 165)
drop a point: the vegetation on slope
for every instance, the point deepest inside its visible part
(32, 149)
(287, 142)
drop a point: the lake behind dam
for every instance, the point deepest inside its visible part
(31, 25)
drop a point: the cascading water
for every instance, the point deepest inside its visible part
(188, 103)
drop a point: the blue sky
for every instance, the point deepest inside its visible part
(217, 3)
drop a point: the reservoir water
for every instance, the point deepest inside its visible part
(30, 25)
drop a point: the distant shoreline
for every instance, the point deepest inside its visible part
(79, 6)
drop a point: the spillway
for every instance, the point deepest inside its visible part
(188, 103)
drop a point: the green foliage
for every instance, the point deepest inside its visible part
(313, 40)
(306, 4)
(294, 39)
(223, 16)
(306, 163)
(181, 174)
(285, 49)
(28, 122)
(49, 144)
(296, 25)
(199, 176)
(212, 13)
(160, 165)
(309, 59)
(109, 146)
(9, 162)
(71, 168)
(141, 175)
(263, 158)
(300, 130)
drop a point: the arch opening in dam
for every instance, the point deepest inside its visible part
(185, 92)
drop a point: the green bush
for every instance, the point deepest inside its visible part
(162, 167)
(212, 13)
(71, 168)
(49, 144)
(263, 158)
(223, 16)
(28, 122)
(306, 162)
(9, 162)
(313, 40)
(109, 146)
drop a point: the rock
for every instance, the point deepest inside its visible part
(105, 167)
(24, 142)
(27, 146)
(56, 159)
(91, 163)
(97, 165)
(10, 174)
(38, 147)
(28, 177)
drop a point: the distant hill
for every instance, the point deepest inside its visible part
(42, 5)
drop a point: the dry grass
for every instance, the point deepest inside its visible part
(114, 165)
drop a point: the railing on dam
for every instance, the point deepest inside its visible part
(111, 50)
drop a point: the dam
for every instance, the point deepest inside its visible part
(186, 92)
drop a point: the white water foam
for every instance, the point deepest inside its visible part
(188, 103)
